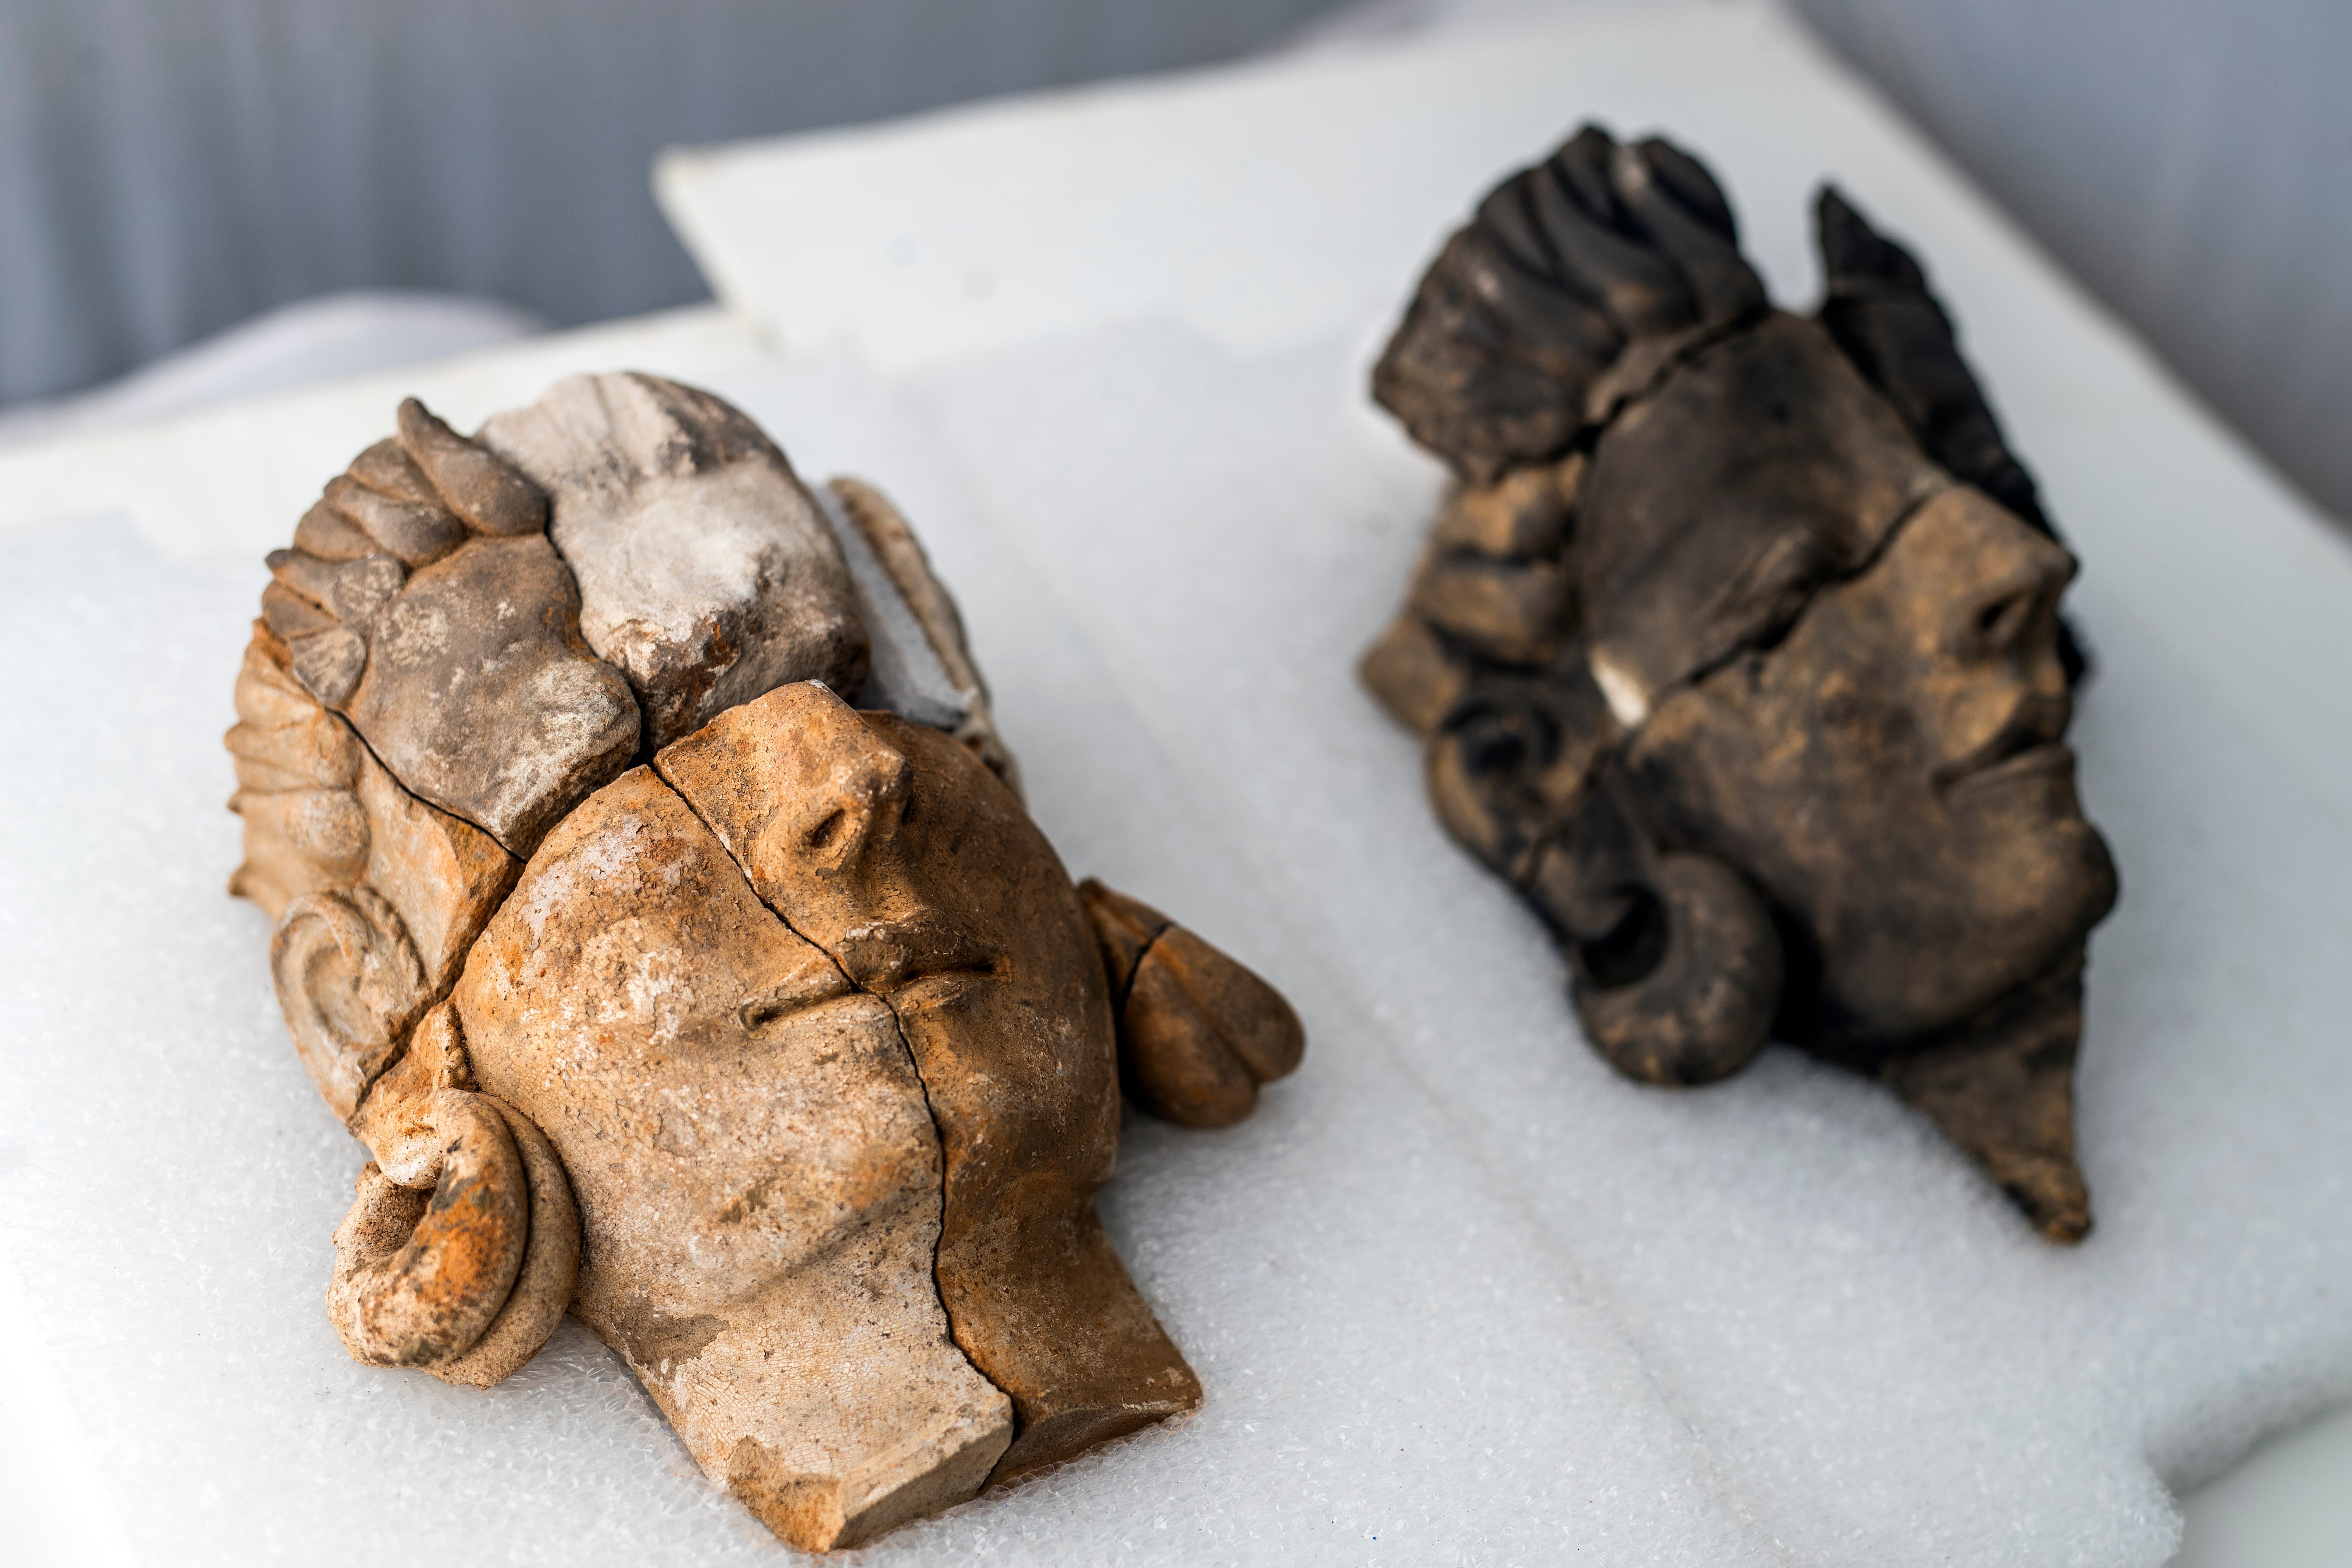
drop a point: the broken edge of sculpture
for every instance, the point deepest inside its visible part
(1736, 650)
(666, 987)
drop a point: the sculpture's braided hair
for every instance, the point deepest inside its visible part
(1580, 280)
(1539, 317)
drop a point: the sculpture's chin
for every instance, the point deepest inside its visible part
(2018, 909)
(2040, 903)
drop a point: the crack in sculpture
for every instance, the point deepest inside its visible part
(1737, 651)
(853, 1525)
(798, 1025)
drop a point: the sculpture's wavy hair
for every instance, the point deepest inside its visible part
(1576, 287)
(408, 502)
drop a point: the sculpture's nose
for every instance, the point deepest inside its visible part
(1988, 586)
(854, 800)
(804, 795)
(2011, 581)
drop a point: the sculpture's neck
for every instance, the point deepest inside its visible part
(832, 1403)
(2003, 1089)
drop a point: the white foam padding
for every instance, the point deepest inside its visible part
(1456, 1286)
(1457, 1292)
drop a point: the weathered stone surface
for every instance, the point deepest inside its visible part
(543, 1285)
(395, 1117)
(1523, 515)
(350, 984)
(898, 853)
(1515, 758)
(380, 897)
(481, 698)
(359, 953)
(419, 533)
(1925, 698)
(419, 1276)
(706, 574)
(494, 499)
(1415, 676)
(1672, 577)
(297, 766)
(443, 876)
(2001, 1087)
(1570, 268)
(1795, 765)
(481, 1325)
(758, 1176)
(1513, 612)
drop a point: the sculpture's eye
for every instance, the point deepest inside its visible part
(1758, 609)
(827, 829)
(759, 1012)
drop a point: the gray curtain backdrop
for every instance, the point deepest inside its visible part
(169, 167)
(2189, 160)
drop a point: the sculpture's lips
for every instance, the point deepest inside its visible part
(938, 988)
(2027, 741)
(813, 987)
(2050, 757)
(917, 959)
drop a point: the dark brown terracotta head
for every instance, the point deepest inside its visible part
(1739, 652)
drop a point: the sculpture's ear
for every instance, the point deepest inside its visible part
(466, 1270)
(1197, 1031)
(1677, 967)
(350, 984)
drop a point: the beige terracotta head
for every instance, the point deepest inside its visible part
(789, 1060)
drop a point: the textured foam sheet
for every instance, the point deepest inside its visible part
(1456, 1293)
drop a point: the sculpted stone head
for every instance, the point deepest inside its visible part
(767, 1036)
(1739, 651)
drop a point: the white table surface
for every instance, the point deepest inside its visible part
(1454, 1286)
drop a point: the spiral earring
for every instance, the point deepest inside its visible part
(1676, 966)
